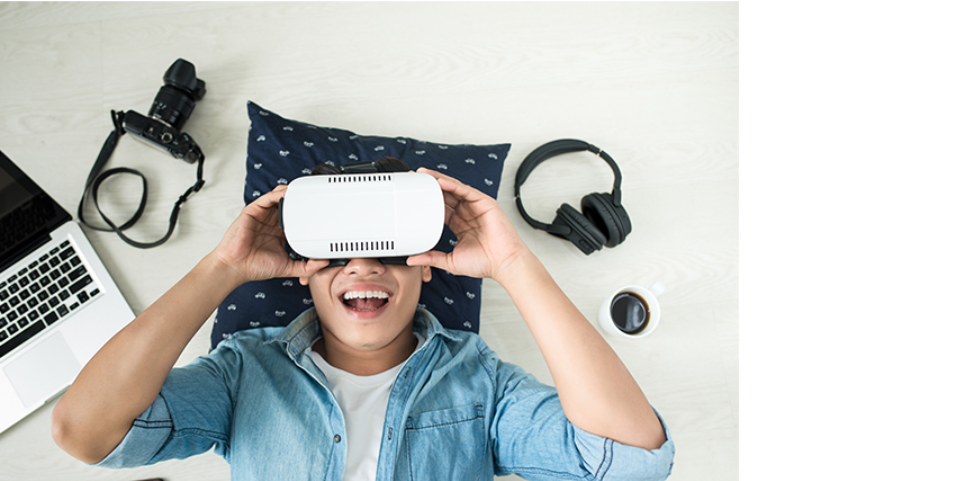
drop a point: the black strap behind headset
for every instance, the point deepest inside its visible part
(95, 179)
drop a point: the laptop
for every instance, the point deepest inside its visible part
(58, 305)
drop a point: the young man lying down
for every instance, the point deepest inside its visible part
(366, 385)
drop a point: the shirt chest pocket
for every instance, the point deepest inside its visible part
(447, 444)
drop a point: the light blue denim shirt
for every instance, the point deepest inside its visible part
(455, 412)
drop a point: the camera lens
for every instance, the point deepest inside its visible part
(172, 106)
(182, 75)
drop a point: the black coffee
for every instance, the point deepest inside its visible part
(629, 313)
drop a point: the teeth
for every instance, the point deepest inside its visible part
(364, 295)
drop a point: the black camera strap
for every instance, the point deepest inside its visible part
(95, 179)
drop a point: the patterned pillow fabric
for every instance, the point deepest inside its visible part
(280, 150)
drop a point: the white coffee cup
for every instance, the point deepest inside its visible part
(636, 300)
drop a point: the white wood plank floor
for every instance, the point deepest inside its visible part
(654, 84)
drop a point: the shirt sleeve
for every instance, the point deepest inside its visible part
(191, 415)
(534, 439)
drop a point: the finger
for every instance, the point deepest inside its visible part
(275, 194)
(459, 191)
(270, 199)
(313, 266)
(430, 258)
(264, 208)
(450, 200)
(454, 190)
(433, 173)
(443, 180)
(305, 268)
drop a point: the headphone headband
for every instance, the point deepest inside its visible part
(551, 149)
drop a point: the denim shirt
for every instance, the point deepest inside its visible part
(455, 412)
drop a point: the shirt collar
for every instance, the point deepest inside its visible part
(302, 332)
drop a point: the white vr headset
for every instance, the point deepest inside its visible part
(382, 214)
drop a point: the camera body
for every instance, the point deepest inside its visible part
(173, 105)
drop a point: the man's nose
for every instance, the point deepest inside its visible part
(364, 267)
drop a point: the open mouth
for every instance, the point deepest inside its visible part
(365, 301)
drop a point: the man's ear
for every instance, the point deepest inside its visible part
(304, 280)
(426, 273)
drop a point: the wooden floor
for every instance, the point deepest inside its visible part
(655, 85)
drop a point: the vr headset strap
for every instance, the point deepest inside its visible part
(96, 178)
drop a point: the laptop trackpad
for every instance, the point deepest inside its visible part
(43, 371)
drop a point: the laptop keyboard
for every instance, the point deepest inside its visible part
(47, 291)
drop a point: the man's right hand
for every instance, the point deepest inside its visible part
(253, 247)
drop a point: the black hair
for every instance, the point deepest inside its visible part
(325, 169)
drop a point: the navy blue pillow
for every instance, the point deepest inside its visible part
(280, 150)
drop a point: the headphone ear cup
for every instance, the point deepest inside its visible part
(583, 234)
(613, 221)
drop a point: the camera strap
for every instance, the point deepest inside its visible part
(95, 179)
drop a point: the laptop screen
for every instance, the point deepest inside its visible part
(27, 213)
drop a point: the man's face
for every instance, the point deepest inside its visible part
(367, 305)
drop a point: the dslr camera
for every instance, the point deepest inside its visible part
(171, 108)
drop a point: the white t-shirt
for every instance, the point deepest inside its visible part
(363, 400)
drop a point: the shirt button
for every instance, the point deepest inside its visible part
(337, 438)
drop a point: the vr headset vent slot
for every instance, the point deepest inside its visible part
(345, 179)
(362, 246)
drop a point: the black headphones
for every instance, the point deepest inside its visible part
(604, 222)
